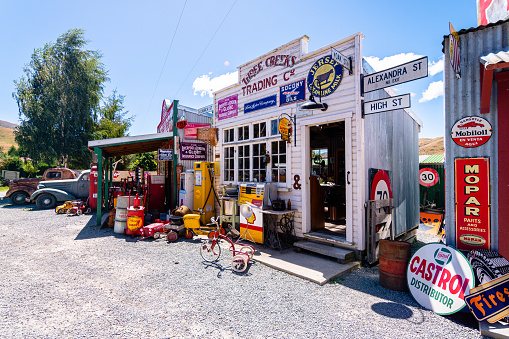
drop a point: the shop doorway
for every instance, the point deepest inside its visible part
(328, 181)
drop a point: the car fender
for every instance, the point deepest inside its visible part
(27, 189)
(58, 194)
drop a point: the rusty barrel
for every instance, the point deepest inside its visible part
(394, 257)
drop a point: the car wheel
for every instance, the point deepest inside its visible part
(45, 201)
(18, 198)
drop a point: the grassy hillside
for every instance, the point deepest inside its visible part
(431, 146)
(6, 138)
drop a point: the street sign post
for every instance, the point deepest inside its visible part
(387, 104)
(344, 61)
(397, 75)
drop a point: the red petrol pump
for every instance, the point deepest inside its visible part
(92, 196)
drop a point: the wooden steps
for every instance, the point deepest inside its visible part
(343, 256)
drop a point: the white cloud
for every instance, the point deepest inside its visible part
(412, 94)
(204, 85)
(391, 61)
(436, 67)
(435, 90)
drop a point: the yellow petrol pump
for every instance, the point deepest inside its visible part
(203, 195)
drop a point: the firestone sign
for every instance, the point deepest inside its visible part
(471, 132)
(439, 277)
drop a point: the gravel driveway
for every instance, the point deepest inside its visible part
(64, 278)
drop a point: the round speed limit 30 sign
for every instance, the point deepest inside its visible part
(428, 177)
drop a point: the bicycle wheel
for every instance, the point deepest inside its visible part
(248, 250)
(210, 250)
(239, 263)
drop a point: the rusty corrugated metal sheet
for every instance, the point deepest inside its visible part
(463, 98)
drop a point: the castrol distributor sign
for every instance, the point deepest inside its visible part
(439, 277)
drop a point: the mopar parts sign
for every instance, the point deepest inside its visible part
(439, 277)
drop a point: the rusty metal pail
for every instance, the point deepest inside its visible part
(394, 257)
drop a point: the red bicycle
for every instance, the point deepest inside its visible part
(210, 249)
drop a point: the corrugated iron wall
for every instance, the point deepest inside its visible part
(463, 98)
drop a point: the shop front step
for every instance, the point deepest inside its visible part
(343, 256)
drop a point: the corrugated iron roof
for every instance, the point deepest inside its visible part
(493, 58)
(474, 29)
(432, 159)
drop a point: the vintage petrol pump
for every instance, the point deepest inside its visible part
(92, 195)
(203, 186)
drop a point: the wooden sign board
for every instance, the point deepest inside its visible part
(207, 135)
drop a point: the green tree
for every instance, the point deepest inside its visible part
(13, 151)
(29, 169)
(112, 121)
(58, 99)
(144, 160)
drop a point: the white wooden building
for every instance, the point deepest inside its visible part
(324, 169)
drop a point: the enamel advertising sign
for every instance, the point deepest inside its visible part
(471, 132)
(292, 93)
(490, 301)
(193, 151)
(439, 277)
(260, 104)
(324, 77)
(191, 130)
(472, 182)
(227, 107)
(428, 177)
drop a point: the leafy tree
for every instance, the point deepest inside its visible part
(13, 151)
(144, 160)
(112, 118)
(29, 169)
(58, 99)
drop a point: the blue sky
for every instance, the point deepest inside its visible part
(134, 38)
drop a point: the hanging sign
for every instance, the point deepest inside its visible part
(454, 51)
(439, 277)
(165, 154)
(285, 128)
(428, 177)
(227, 107)
(472, 198)
(206, 109)
(388, 104)
(193, 151)
(344, 61)
(324, 77)
(292, 93)
(260, 104)
(471, 132)
(490, 301)
(396, 75)
(181, 124)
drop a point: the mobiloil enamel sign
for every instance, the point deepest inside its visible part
(439, 277)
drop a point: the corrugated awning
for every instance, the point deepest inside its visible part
(495, 58)
(132, 145)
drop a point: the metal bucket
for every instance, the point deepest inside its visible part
(119, 226)
(121, 214)
(394, 257)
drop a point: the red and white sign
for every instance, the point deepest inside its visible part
(181, 124)
(381, 186)
(166, 124)
(428, 177)
(191, 130)
(439, 277)
(116, 174)
(472, 183)
(454, 51)
(471, 132)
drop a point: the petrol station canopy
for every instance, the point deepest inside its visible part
(131, 144)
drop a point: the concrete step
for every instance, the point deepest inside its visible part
(343, 256)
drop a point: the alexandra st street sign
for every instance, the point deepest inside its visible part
(388, 104)
(397, 75)
(344, 61)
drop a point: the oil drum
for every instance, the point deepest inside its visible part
(394, 257)
(135, 217)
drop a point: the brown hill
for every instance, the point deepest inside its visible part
(431, 146)
(7, 135)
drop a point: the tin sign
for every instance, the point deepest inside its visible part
(343, 60)
(227, 107)
(471, 132)
(193, 151)
(439, 277)
(428, 177)
(191, 130)
(397, 75)
(388, 104)
(292, 93)
(490, 301)
(472, 198)
(165, 154)
(285, 129)
(260, 104)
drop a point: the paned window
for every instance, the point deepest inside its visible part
(278, 161)
(228, 135)
(259, 130)
(243, 162)
(229, 163)
(243, 133)
(274, 127)
(259, 169)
